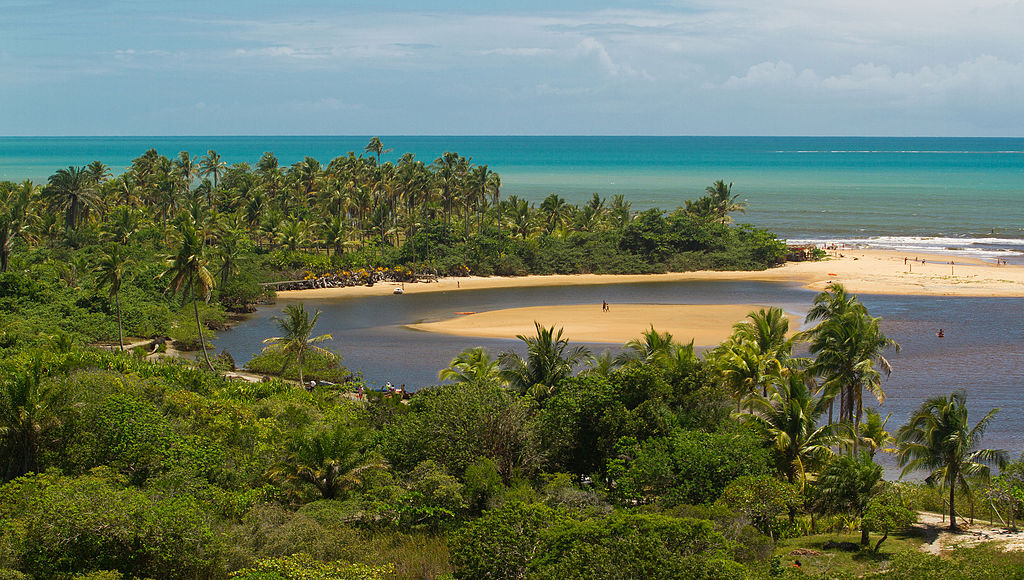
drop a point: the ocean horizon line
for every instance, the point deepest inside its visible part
(507, 135)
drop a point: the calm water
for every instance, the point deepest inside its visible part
(940, 194)
(983, 350)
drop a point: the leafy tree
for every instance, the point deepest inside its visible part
(501, 544)
(457, 425)
(625, 545)
(72, 191)
(762, 499)
(111, 273)
(885, 512)
(939, 439)
(296, 327)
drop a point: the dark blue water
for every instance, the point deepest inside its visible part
(983, 348)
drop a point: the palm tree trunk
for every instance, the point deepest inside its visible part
(120, 332)
(301, 381)
(952, 508)
(202, 339)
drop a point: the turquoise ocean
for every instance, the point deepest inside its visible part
(952, 195)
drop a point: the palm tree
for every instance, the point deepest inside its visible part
(872, 432)
(789, 419)
(848, 355)
(189, 273)
(767, 329)
(473, 366)
(651, 347)
(111, 272)
(30, 408)
(846, 486)
(332, 460)
(744, 369)
(376, 147)
(549, 360)
(296, 327)
(72, 191)
(723, 201)
(14, 204)
(211, 164)
(122, 225)
(939, 439)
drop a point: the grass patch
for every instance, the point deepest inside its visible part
(834, 562)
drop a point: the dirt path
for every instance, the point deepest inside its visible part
(938, 539)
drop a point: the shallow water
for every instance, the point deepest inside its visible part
(983, 348)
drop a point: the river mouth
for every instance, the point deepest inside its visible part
(982, 349)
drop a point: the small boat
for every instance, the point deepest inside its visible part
(465, 313)
(398, 290)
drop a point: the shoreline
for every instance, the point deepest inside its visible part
(860, 271)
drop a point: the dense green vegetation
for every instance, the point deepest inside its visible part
(658, 463)
(521, 467)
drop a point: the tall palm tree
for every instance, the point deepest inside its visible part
(111, 273)
(549, 360)
(72, 191)
(473, 365)
(189, 274)
(939, 439)
(376, 147)
(212, 165)
(789, 418)
(848, 353)
(296, 327)
(332, 460)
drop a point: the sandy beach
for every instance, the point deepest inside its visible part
(861, 271)
(705, 325)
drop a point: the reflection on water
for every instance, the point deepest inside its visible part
(983, 348)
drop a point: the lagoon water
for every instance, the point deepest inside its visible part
(983, 348)
(960, 195)
(955, 195)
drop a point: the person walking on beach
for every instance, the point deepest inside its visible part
(604, 306)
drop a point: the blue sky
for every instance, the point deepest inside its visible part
(726, 67)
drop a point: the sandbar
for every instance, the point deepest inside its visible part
(704, 324)
(860, 271)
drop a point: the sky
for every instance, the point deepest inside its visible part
(527, 67)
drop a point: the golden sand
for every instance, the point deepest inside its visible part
(704, 324)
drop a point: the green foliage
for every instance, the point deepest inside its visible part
(626, 545)
(500, 544)
(762, 499)
(456, 425)
(689, 467)
(92, 523)
(317, 365)
(303, 567)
